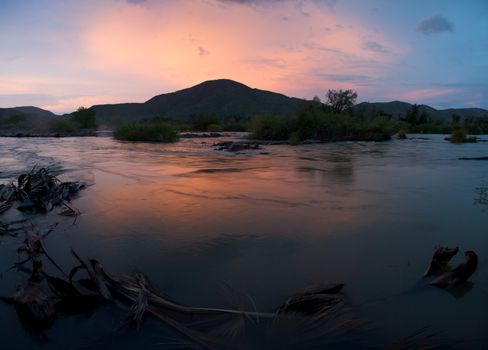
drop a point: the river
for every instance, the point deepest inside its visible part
(207, 226)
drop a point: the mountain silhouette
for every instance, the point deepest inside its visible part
(222, 98)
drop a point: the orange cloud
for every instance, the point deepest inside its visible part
(184, 43)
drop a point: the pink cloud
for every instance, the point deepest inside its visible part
(427, 94)
(69, 103)
(162, 41)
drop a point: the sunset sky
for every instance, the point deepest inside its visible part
(61, 54)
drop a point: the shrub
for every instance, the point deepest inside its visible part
(84, 118)
(153, 132)
(214, 128)
(271, 128)
(294, 139)
(434, 127)
(62, 126)
(317, 123)
(401, 134)
(235, 126)
(14, 119)
(203, 122)
(459, 136)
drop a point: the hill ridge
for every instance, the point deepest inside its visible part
(227, 98)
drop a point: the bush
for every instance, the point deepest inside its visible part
(214, 128)
(435, 127)
(235, 126)
(294, 139)
(315, 122)
(401, 134)
(203, 122)
(64, 126)
(374, 129)
(13, 120)
(84, 118)
(153, 132)
(271, 128)
(459, 136)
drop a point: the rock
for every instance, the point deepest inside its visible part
(232, 146)
(198, 135)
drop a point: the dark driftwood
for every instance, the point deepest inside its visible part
(443, 275)
(440, 261)
(460, 274)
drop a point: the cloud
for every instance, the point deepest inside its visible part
(276, 63)
(249, 2)
(434, 25)
(331, 4)
(421, 95)
(375, 46)
(202, 51)
(346, 77)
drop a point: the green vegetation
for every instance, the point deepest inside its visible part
(319, 122)
(460, 136)
(340, 100)
(62, 126)
(432, 127)
(153, 132)
(84, 118)
(401, 134)
(12, 120)
(81, 122)
(202, 123)
(212, 123)
(294, 139)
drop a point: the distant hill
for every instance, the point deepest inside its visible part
(25, 119)
(399, 109)
(26, 111)
(222, 98)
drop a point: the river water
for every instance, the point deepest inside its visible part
(210, 226)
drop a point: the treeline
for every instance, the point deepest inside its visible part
(332, 120)
(421, 122)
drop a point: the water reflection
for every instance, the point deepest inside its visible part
(482, 196)
(366, 214)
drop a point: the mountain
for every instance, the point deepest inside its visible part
(24, 119)
(399, 109)
(222, 98)
(26, 111)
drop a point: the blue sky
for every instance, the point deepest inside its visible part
(63, 54)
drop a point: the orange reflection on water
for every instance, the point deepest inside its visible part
(185, 197)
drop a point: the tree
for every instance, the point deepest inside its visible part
(85, 118)
(424, 117)
(412, 116)
(341, 100)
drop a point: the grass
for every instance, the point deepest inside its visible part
(150, 132)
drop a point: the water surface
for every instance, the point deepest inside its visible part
(264, 223)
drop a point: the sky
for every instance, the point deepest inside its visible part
(62, 54)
